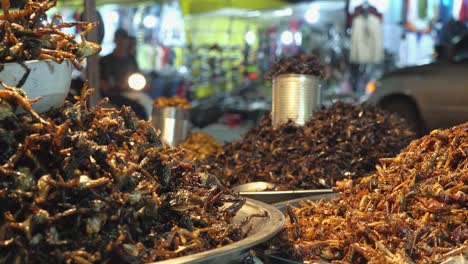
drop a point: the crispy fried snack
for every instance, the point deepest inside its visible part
(175, 101)
(199, 146)
(299, 64)
(339, 142)
(27, 35)
(412, 210)
(96, 185)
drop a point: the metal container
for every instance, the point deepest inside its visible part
(260, 230)
(295, 97)
(173, 123)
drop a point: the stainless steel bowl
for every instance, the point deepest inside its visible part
(262, 229)
(173, 123)
(295, 97)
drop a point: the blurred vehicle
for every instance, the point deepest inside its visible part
(428, 96)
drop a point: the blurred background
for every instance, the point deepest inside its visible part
(408, 56)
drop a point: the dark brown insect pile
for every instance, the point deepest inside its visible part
(412, 210)
(96, 186)
(339, 142)
(199, 146)
(27, 35)
(299, 64)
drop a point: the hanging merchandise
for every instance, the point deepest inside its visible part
(366, 36)
(463, 15)
(172, 30)
(420, 13)
(394, 12)
(416, 49)
(445, 10)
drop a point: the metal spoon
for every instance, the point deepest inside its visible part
(255, 187)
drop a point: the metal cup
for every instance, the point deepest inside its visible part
(173, 123)
(295, 97)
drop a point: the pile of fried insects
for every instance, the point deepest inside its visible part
(338, 142)
(199, 146)
(86, 185)
(27, 34)
(412, 210)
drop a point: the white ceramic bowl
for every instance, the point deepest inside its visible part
(47, 79)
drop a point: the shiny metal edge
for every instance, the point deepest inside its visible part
(295, 202)
(266, 229)
(272, 197)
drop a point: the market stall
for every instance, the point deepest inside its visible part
(85, 182)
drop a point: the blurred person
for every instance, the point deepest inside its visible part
(115, 69)
(117, 66)
(132, 50)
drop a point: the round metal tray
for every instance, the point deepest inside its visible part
(272, 197)
(262, 229)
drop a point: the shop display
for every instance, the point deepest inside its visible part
(199, 146)
(28, 36)
(175, 101)
(95, 185)
(299, 64)
(214, 69)
(411, 210)
(339, 142)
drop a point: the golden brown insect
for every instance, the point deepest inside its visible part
(403, 213)
(27, 37)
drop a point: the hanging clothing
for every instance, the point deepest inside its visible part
(463, 17)
(422, 9)
(392, 37)
(421, 12)
(366, 40)
(394, 12)
(445, 10)
(457, 6)
(416, 49)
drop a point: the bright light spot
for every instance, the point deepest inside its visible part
(298, 38)
(150, 21)
(287, 37)
(137, 81)
(283, 12)
(113, 16)
(371, 87)
(312, 15)
(250, 37)
(183, 70)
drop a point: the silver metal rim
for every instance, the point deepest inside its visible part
(272, 197)
(272, 225)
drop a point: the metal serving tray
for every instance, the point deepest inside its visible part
(263, 228)
(272, 197)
